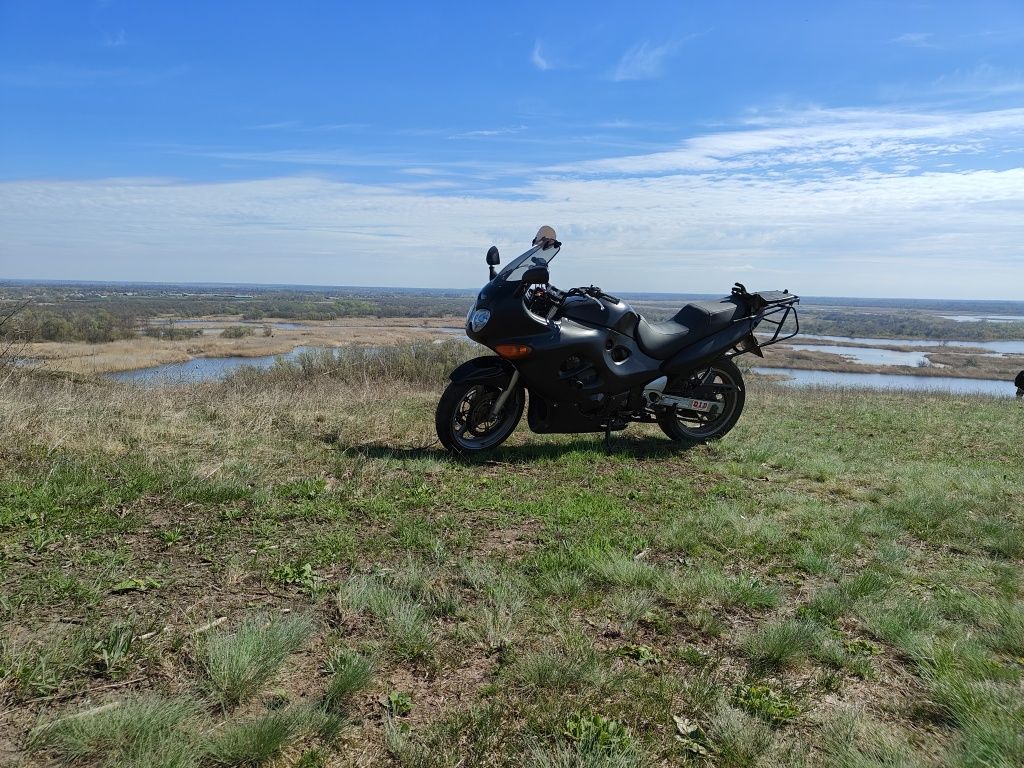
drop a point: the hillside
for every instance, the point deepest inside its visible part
(284, 567)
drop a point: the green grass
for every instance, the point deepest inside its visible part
(350, 673)
(145, 732)
(258, 740)
(778, 644)
(837, 583)
(238, 663)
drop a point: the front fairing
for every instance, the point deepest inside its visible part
(504, 298)
(509, 316)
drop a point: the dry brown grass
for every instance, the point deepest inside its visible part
(117, 419)
(144, 352)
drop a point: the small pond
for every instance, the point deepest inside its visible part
(869, 355)
(201, 368)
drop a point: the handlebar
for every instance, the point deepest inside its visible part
(548, 299)
(595, 293)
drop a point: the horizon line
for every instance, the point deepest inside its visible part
(323, 286)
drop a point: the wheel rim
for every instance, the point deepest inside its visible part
(472, 426)
(712, 384)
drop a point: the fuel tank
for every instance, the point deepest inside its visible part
(601, 312)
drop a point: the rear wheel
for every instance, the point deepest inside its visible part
(464, 421)
(720, 382)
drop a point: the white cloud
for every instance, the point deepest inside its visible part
(816, 137)
(643, 61)
(915, 39)
(537, 57)
(768, 205)
(983, 80)
(488, 132)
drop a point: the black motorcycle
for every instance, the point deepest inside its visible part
(592, 364)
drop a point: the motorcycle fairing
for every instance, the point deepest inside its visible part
(488, 369)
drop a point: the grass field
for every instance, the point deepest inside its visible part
(283, 569)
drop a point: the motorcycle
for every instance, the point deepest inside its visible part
(591, 363)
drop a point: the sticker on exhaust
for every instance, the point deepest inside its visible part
(700, 405)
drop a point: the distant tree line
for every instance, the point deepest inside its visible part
(93, 325)
(79, 312)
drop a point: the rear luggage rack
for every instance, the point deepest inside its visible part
(773, 307)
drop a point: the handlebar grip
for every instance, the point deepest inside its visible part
(611, 298)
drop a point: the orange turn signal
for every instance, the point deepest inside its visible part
(513, 351)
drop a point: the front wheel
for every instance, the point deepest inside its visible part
(720, 382)
(464, 420)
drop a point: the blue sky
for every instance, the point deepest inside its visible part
(872, 149)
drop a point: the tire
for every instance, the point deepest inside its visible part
(463, 420)
(725, 386)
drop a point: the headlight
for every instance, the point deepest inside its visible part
(479, 319)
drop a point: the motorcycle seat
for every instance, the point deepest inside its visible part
(694, 322)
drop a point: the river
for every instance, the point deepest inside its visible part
(801, 378)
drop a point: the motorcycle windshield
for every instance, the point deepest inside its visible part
(538, 256)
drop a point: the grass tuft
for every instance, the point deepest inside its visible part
(350, 673)
(405, 619)
(781, 644)
(259, 740)
(148, 731)
(239, 663)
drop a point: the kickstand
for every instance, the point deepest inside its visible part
(607, 434)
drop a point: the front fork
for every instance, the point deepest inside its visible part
(504, 396)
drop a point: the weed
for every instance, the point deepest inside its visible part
(301, 574)
(642, 654)
(135, 584)
(900, 621)
(170, 536)
(313, 758)
(114, 647)
(397, 703)
(765, 702)
(749, 591)
(701, 691)
(40, 671)
(593, 733)
(408, 631)
(621, 570)
(692, 737)
(691, 655)
(41, 538)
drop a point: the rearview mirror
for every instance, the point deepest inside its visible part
(536, 275)
(492, 256)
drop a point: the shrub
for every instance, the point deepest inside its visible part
(237, 332)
